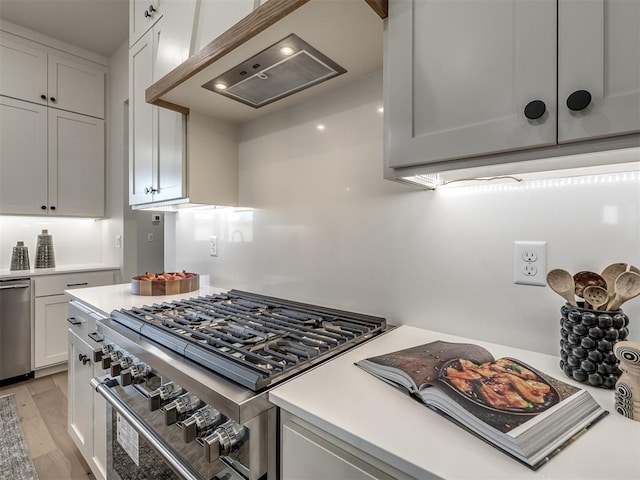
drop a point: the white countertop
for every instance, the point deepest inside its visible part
(108, 298)
(365, 412)
(34, 272)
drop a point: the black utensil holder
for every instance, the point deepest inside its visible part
(586, 344)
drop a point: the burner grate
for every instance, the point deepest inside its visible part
(252, 339)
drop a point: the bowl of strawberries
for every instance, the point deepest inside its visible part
(165, 283)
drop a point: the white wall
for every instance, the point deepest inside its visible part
(327, 228)
(75, 240)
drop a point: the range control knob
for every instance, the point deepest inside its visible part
(118, 366)
(112, 356)
(163, 395)
(134, 374)
(225, 439)
(197, 424)
(182, 406)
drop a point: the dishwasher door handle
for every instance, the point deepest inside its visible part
(20, 285)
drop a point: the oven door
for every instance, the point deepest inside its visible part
(141, 448)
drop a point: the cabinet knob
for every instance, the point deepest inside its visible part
(53, 99)
(43, 96)
(147, 14)
(578, 100)
(535, 109)
(84, 358)
(52, 207)
(152, 9)
(43, 207)
(149, 190)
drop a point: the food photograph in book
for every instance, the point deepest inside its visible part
(504, 393)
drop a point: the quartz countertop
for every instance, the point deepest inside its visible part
(112, 297)
(5, 273)
(356, 407)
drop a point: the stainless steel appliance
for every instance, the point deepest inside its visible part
(188, 380)
(15, 329)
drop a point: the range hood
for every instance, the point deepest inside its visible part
(283, 52)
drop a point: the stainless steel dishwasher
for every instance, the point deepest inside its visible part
(15, 328)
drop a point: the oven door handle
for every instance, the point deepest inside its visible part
(176, 464)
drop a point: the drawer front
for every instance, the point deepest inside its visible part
(57, 284)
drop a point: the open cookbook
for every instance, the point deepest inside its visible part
(523, 412)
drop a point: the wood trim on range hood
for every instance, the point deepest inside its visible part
(347, 31)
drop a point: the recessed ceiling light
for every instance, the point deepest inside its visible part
(380, 110)
(286, 51)
(320, 127)
(220, 86)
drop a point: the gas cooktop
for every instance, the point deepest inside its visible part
(252, 339)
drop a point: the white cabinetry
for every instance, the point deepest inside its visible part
(310, 453)
(466, 79)
(157, 152)
(52, 147)
(142, 15)
(174, 157)
(50, 313)
(51, 161)
(86, 408)
(30, 73)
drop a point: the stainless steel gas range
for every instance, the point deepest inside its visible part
(187, 381)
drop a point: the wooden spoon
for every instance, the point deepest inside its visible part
(562, 283)
(610, 273)
(627, 286)
(586, 279)
(596, 296)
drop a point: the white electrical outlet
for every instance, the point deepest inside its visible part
(118, 241)
(530, 263)
(213, 246)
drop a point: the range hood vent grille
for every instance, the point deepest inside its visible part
(271, 74)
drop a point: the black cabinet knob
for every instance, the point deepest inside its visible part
(578, 100)
(152, 9)
(43, 207)
(53, 99)
(535, 109)
(147, 14)
(43, 96)
(52, 207)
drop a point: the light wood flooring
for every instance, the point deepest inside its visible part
(42, 407)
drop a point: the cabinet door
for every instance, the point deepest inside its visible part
(217, 16)
(23, 157)
(142, 15)
(23, 71)
(140, 121)
(306, 455)
(459, 74)
(76, 87)
(50, 330)
(76, 164)
(80, 394)
(599, 52)
(169, 127)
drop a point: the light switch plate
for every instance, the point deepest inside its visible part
(213, 246)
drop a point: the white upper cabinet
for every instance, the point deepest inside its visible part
(23, 71)
(76, 87)
(598, 68)
(32, 74)
(23, 157)
(460, 74)
(157, 149)
(76, 164)
(468, 78)
(143, 14)
(217, 16)
(51, 161)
